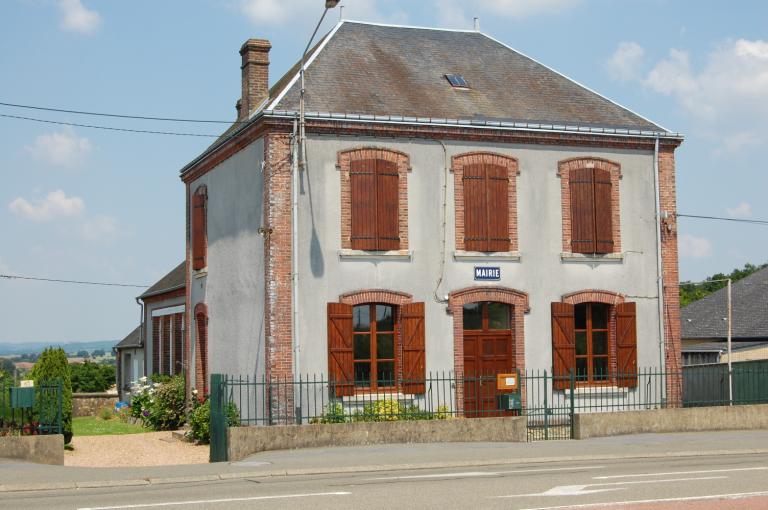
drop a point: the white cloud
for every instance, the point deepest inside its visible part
(100, 228)
(694, 247)
(78, 18)
(64, 148)
(626, 62)
(55, 205)
(728, 95)
(743, 210)
(525, 8)
(261, 12)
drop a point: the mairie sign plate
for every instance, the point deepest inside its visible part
(485, 273)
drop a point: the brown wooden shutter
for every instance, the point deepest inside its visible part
(563, 344)
(387, 205)
(475, 208)
(201, 364)
(497, 191)
(626, 345)
(582, 210)
(341, 365)
(156, 345)
(199, 240)
(166, 341)
(178, 343)
(603, 212)
(414, 354)
(362, 184)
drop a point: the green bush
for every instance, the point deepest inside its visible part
(160, 378)
(52, 366)
(334, 413)
(381, 410)
(91, 377)
(167, 405)
(200, 420)
(105, 413)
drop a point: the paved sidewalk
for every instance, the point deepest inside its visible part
(17, 476)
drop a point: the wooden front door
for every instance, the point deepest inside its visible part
(487, 352)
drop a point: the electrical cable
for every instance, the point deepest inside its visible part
(146, 131)
(18, 277)
(739, 220)
(120, 116)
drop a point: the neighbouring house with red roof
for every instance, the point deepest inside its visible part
(455, 206)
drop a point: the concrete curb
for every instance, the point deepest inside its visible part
(360, 469)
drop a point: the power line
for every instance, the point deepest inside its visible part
(739, 220)
(104, 284)
(120, 116)
(106, 127)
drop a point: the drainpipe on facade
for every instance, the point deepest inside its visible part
(445, 200)
(659, 262)
(141, 342)
(295, 250)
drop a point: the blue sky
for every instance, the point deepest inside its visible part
(87, 204)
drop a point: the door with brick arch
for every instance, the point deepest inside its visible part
(488, 351)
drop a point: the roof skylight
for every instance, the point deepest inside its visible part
(457, 81)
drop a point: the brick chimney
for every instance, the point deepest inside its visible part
(255, 53)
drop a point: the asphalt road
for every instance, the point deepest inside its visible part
(702, 482)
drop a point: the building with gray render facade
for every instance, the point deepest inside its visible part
(455, 206)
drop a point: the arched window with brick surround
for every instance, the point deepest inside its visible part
(200, 228)
(590, 205)
(486, 202)
(376, 341)
(374, 199)
(594, 335)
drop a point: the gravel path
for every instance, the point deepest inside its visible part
(133, 450)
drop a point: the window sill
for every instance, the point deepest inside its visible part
(588, 392)
(200, 273)
(582, 257)
(369, 255)
(366, 397)
(479, 256)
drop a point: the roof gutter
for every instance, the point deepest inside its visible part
(289, 115)
(161, 291)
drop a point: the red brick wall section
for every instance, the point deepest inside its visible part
(277, 265)
(563, 171)
(201, 347)
(344, 161)
(457, 167)
(456, 302)
(187, 302)
(671, 276)
(609, 298)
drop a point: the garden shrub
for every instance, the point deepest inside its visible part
(51, 366)
(200, 419)
(167, 405)
(105, 413)
(381, 410)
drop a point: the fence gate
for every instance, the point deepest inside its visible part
(219, 450)
(549, 412)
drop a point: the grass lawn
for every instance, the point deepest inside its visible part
(95, 426)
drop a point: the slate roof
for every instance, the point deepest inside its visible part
(704, 318)
(172, 281)
(723, 346)
(393, 70)
(132, 340)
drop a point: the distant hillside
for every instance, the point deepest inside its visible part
(35, 347)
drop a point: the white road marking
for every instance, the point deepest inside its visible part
(581, 490)
(762, 468)
(468, 474)
(738, 495)
(228, 500)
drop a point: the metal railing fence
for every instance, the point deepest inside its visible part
(31, 411)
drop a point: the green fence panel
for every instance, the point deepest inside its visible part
(218, 451)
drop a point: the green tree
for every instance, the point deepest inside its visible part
(7, 367)
(91, 377)
(51, 365)
(691, 291)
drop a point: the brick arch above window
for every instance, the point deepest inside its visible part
(375, 296)
(564, 169)
(500, 294)
(593, 296)
(345, 159)
(458, 163)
